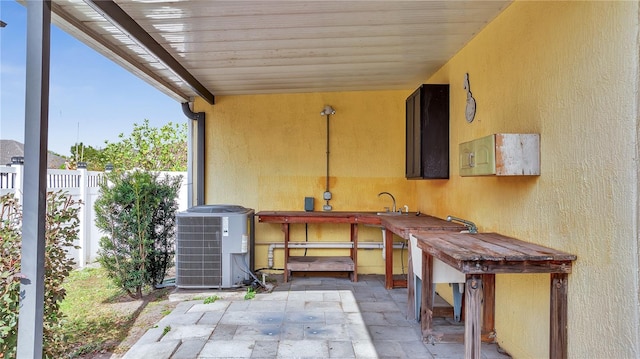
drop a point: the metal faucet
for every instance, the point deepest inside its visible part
(470, 225)
(392, 197)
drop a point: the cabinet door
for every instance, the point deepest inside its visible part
(413, 140)
(427, 132)
(477, 158)
(434, 119)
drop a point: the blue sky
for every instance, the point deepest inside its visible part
(92, 99)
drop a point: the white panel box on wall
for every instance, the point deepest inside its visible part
(501, 154)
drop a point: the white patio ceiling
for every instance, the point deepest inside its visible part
(255, 47)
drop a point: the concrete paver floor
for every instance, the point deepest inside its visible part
(308, 317)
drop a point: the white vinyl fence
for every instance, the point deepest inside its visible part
(83, 186)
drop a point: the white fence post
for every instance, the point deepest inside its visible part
(7, 180)
(17, 184)
(82, 216)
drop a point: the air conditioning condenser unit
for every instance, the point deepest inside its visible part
(213, 246)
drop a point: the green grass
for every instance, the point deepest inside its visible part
(211, 299)
(91, 324)
(98, 314)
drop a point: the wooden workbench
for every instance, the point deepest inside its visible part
(320, 263)
(401, 225)
(480, 256)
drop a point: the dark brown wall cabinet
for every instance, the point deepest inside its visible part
(428, 133)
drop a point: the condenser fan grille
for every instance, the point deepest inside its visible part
(199, 252)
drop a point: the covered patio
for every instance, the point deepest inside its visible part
(262, 82)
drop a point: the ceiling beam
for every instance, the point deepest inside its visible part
(119, 18)
(86, 34)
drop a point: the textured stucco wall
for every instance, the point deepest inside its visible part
(268, 152)
(569, 71)
(565, 70)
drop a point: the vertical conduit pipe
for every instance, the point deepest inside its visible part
(327, 179)
(199, 117)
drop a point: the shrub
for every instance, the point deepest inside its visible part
(62, 227)
(136, 212)
(61, 224)
(160, 257)
(10, 240)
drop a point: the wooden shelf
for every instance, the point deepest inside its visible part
(320, 264)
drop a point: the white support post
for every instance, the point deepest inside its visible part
(31, 316)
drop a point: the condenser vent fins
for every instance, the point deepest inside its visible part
(199, 252)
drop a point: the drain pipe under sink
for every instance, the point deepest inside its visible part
(326, 245)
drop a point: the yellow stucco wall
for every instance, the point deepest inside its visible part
(568, 71)
(565, 70)
(268, 152)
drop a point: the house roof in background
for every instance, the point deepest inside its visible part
(206, 48)
(11, 148)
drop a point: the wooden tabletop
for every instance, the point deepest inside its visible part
(404, 225)
(492, 253)
(318, 217)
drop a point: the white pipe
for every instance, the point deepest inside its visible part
(326, 245)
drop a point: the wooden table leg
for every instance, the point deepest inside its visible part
(489, 308)
(285, 229)
(354, 251)
(388, 259)
(558, 316)
(473, 316)
(426, 305)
